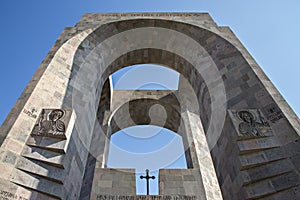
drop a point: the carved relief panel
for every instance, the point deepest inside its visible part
(250, 123)
(52, 123)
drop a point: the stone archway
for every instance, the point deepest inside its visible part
(187, 54)
(219, 80)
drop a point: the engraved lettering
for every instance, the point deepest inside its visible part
(146, 197)
(30, 113)
(5, 195)
(272, 113)
(151, 14)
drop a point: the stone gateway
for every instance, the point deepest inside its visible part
(241, 138)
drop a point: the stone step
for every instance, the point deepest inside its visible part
(270, 186)
(52, 158)
(48, 143)
(268, 170)
(261, 157)
(257, 144)
(41, 169)
(291, 194)
(37, 183)
(12, 191)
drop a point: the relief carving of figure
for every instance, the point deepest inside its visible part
(52, 125)
(250, 125)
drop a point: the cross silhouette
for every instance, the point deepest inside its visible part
(147, 177)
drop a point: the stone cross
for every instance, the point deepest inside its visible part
(147, 177)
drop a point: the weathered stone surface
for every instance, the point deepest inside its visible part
(181, 182)
(113, 182)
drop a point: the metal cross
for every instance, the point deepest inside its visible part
(147, 177)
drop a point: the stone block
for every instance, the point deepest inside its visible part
(270, 170)
(9, 191)
(293, 148)
(289, 194)
(6, 170)
(253, 159)
(49, 157)
(287, 180)
(113, 182)
(258, 144)
(257, 190)
(38, 183)
(275, 154)
(13, 145)
(41, 169)
(53, 144)
(9, 157)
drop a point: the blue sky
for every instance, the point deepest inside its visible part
(269, 29)
(137, 77)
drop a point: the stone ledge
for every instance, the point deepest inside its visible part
(45, 156)
(48, 143)
(41, 169)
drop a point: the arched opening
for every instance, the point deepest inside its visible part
(146, 147)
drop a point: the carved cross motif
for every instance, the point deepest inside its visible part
(147, 177)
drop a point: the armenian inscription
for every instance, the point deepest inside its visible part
(146, 197)
(151, 14)
(273, 113)
(52, 122)
(250, 123)
(30, 113)
(4, 195)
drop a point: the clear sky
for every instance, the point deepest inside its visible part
(269, 29)
(138, 77)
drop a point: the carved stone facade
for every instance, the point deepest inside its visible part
(241, 139)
